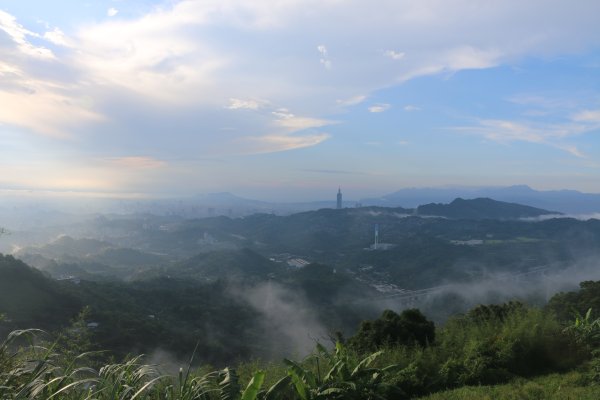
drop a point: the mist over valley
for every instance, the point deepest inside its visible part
(290, 280)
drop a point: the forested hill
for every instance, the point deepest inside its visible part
(27, 296)
(233, 265)
(240, 305)
(482, 208)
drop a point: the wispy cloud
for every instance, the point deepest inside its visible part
(57, 37)
(394, 55)
(276, 143)
(324, 56)
(111, 12)
(352, 101)
(591, 116)
(468, 57)
(544, 106)
(547, 102)
(44, 108)
(379, 108)
(410, 108)
(506, 131)
(292, 123)
(20, 35)
(249, 104)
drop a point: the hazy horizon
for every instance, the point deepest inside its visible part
(276, 196)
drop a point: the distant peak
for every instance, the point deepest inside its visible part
(525, 188)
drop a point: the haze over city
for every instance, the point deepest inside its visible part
(290, 100)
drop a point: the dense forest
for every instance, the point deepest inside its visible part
(396, 355)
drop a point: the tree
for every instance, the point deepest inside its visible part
(409, 328)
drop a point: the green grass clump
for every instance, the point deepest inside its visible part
(568, 386)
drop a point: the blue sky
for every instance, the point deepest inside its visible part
(291, 99)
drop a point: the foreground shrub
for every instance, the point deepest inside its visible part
(408, 328)
(516, 341)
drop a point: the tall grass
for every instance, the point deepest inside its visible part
(518, 344)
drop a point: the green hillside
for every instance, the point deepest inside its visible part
(28, 298)
(243, 264)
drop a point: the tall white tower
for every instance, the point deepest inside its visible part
(339, 199)
(376, 237)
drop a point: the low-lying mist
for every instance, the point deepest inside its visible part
(289, 324)
(534, 288)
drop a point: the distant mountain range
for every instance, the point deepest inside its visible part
(564, 201)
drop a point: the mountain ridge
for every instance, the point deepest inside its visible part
(482, 208)
(564, 201)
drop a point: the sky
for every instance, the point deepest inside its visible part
(289, 99)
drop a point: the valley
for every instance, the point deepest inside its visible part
(158, 281)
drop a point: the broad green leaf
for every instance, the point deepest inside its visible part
(366, 362)
(254, 386)
(275, 390)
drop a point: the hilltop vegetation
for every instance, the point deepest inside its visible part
(239, 318)
(481, 208)
(489, 345)
(28, 298)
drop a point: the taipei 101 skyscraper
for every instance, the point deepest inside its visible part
(339, 199)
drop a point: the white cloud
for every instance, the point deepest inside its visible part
(352, 101)
(153, 56)
(588, 116)
(19, 35)
(394, 55)
(378, 108)
(571, 149)
(293, 123)
(506, 131)
(324, 56)
(468, 57)
(10, 70)
(410, 108)
(42, 108)
(57, 37)
(250, 104)
(275, 143)
(111, 12)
